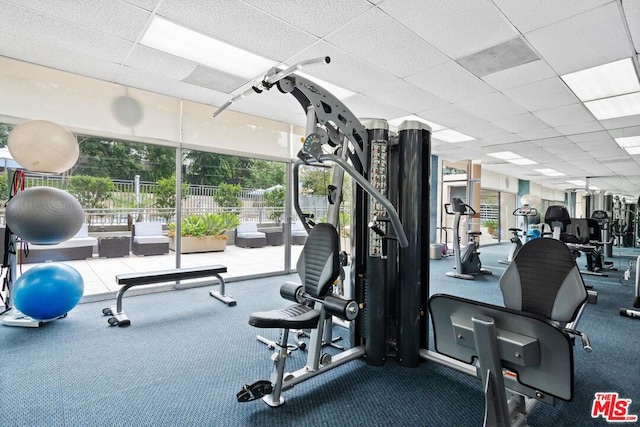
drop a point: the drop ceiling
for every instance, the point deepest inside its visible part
(400, 57)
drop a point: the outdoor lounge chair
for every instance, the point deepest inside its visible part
(298, 233)
(248, 236)
(147, 239)
(78, 247)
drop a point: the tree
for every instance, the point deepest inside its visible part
(315, 180)
(264, 174)
(164, 195)
(227, 195)
(214, 169)
(160, 162)
(92, 192)
(4, 134)
(108, 158)
(274, 198)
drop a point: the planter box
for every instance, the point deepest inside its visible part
(199, 244)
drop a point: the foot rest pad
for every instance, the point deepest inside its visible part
(254, 391)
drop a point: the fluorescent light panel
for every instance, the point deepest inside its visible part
(628, 141)
(434, 126)
(512, 157)
(450, 135)
(603, 81)
(578, 182)
(183, 42)
(549, 172)
(617, 106)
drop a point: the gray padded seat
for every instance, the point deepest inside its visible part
(543, 278)
(318, 267)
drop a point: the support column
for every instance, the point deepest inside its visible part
(414, 159)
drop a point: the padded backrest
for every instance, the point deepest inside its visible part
(147, 229)
(319, 264)
(543, 278)
(557, 214)
(247, 227)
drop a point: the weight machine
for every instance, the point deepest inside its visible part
(389, 275)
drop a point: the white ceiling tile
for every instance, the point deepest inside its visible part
(592, 126)
(144, 4)
(450, 116)
(538, 133)
(436, 20)
(450, 82)
(491, 106)
(620, 122)
(374, 32)
(608, 154)
(557, 147)
(527, 15)
(589, 137)
(606, 143)
(520, 75)
(116, 18)
(64, 35)
(345, 69)
(632, 13)
(567, 115)
(155, 61)
(406, 96)
(240, 24)
(520, 122)
(152, 82)
(542, 95)
(500, 139)
(366, 107)
(34, 51)
(593, 38)
(320, 17)
(480, 130)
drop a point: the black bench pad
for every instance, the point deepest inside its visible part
(169, 275)
(297, 316)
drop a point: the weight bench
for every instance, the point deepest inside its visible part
(129, 280)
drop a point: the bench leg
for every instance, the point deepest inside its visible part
(227, 299)
(119, 318)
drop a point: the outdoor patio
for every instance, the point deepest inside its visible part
(99, 273)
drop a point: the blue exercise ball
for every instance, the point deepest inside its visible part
(48, 291)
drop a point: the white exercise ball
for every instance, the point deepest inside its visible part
(43, 146)
(44, 215)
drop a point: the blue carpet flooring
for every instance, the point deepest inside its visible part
(185, 356)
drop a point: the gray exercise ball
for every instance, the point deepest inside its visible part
(44, 215)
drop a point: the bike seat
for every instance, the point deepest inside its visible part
(474, 233)
(515, 229)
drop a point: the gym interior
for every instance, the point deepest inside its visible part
(455, 239)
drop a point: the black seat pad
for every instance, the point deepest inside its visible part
(297, 316)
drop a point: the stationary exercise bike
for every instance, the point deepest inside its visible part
(468, 260)
(519, 234)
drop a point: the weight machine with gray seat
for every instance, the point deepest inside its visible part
(318, 268)
(389, 281)
(523, 353)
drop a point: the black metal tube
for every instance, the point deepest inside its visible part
(414, 158)
(376, 302)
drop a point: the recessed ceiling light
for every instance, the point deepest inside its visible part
(603, 81)
(617, 106)
(434, 126)
(632, 150)
(504, 155)
(522, 161)
(549, 172)
(450, 135)
(628, 141)
(183, 42)
(578, 182)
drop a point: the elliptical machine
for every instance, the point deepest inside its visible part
(468, 260)
(524, 211)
